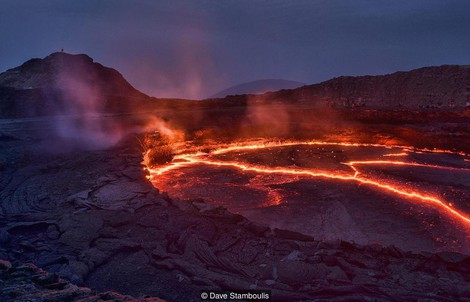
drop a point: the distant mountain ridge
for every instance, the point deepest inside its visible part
(63, 84)
(257, 87)
(439, 87)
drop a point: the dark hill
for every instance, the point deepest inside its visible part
(443, 87)
(66, 84)
(63, 83)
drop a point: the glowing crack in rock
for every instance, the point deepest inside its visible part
(191, 157)
(395, 154)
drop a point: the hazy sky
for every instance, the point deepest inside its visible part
(193, 49)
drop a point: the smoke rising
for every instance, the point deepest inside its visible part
(89, 116)
(186, 69)
(78, 119)
(270, 119)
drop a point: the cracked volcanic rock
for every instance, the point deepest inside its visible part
(27, 282)
(139, 242)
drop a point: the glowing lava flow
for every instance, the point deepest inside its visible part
(198, 158)
(402, 163)
(395, 154)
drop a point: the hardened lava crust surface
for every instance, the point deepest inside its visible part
(94, 219)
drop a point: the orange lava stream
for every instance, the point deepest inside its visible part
(402, 163)
(198, 158)
(256, 145)
(395, 154)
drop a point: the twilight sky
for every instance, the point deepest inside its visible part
(193, 49)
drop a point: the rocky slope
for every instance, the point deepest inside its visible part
(444, 87)
(63, 83)
(50, 71)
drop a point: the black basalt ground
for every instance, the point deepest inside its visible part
(92, 218)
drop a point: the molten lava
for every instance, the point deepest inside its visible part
(230, 156)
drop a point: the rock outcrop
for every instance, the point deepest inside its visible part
(27, 282)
